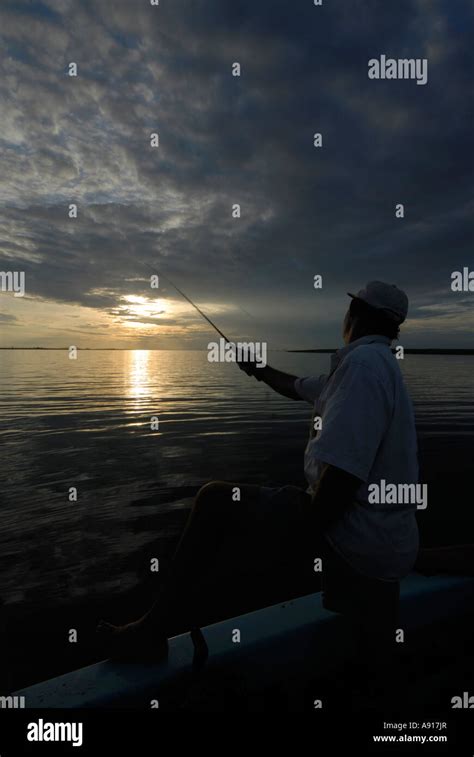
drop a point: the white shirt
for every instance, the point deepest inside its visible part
(368, 429)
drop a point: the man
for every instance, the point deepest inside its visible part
(243, 539)
(366, 435)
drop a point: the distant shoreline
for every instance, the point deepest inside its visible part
(83, 349)
(324, 351)
(410, 351)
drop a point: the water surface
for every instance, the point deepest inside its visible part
(86, 423)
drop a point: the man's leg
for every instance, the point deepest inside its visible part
(213, 545)
(238, 537)
(370, 607)
(240, 545)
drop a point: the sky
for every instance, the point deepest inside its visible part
(227, 140)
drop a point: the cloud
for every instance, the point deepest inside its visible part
(7, 319)
(225, 140)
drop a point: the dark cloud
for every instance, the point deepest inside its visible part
(225, 140)
(7, 319)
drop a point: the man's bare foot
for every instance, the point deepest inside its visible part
(134, 642)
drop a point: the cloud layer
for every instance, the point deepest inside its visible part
(226, 140)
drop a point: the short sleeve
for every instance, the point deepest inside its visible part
(356, 416)
(310, 388)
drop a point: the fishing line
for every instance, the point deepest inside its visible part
(188, 299)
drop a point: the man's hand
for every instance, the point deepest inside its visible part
(250, 368)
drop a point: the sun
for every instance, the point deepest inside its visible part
(138, 312)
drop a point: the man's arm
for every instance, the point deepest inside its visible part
(283, 383)
(335, 493)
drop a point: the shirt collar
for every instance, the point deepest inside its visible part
(339, 355)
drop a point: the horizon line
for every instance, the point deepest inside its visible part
(320, 350)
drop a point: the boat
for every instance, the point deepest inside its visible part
(253, 653)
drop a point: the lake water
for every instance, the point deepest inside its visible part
(85, 423)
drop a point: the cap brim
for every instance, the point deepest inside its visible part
(390, 313)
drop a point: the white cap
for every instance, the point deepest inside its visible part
(387, 297)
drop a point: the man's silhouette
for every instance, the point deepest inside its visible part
(244, 541)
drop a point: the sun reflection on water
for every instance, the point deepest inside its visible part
(138, 385)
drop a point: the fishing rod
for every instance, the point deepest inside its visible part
(188, 299)
(201, 313)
